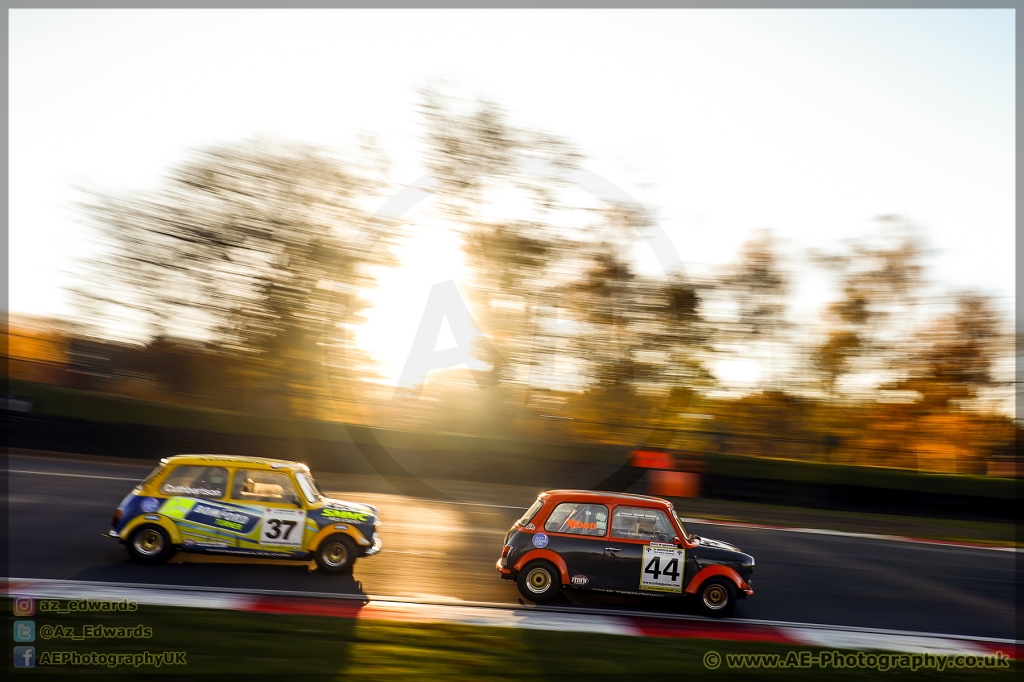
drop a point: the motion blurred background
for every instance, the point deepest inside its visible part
(200, 260)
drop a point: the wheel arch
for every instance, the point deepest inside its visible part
(337, 529)
(547, 554)
(717, 570)
(162, 521)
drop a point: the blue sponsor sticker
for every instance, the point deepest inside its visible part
(234, 519)
(540, 540)
(148, 504)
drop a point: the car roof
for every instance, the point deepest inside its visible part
(257, 463)
(601, 496)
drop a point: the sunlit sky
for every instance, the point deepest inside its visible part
(808, 122)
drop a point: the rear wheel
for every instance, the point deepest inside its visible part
(717, 597)
(150, 544)
(336, 554)
(539, 581)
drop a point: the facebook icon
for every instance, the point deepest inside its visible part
(24, 657)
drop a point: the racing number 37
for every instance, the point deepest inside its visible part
(283, 527)
(274, 531)
(662, 569)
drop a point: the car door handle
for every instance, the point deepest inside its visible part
(613, 549)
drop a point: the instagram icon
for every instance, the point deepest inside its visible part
(24, 606)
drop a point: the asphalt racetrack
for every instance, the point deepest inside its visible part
(58, 509)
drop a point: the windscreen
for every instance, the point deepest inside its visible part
(682, 526)
(308, 486)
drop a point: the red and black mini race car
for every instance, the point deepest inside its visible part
(565, 540)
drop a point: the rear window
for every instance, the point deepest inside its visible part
(153, 475)
(530, 513)
(577, 518)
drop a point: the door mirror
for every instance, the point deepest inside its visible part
(677, 542)
(296, 501)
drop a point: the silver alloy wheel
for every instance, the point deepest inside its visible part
(538, 580)
(334, 554)
(148, 542)
(715, 597)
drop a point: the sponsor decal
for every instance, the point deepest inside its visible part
(337, 514)
(210, 515)
(661, 569)
(177, 507)
(186, 490)
(200, 540)
(580, 580)
(283, 527)
(581, 525)
(540, 540)
(152, 517)
(234, 519)
(148, 504)
(530, 526)
(256, 552)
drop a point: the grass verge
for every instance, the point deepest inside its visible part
(234, 645)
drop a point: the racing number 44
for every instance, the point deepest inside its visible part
(654, 568)
(661, 569)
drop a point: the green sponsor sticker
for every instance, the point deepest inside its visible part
(352, 516)
(177, 507)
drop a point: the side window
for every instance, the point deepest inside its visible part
(263, 486)
(578, 519)
(637, 523)
(196, 481)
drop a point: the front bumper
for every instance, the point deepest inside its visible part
(375, 547)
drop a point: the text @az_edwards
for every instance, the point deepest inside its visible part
(96, 632)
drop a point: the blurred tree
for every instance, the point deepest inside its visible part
(549, 287)
(477, 157)
(759, 287)
(871, 320)
(952, 359)
(756, 289)
(242, 246)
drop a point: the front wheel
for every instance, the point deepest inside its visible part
(717, 597)
(150, 544)
(336, 554)
(539, 581)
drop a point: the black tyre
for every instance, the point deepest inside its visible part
(336, 554)
(717, 597)
(539, 581)
(150, 544)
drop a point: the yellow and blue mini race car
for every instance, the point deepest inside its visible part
(246, 506)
